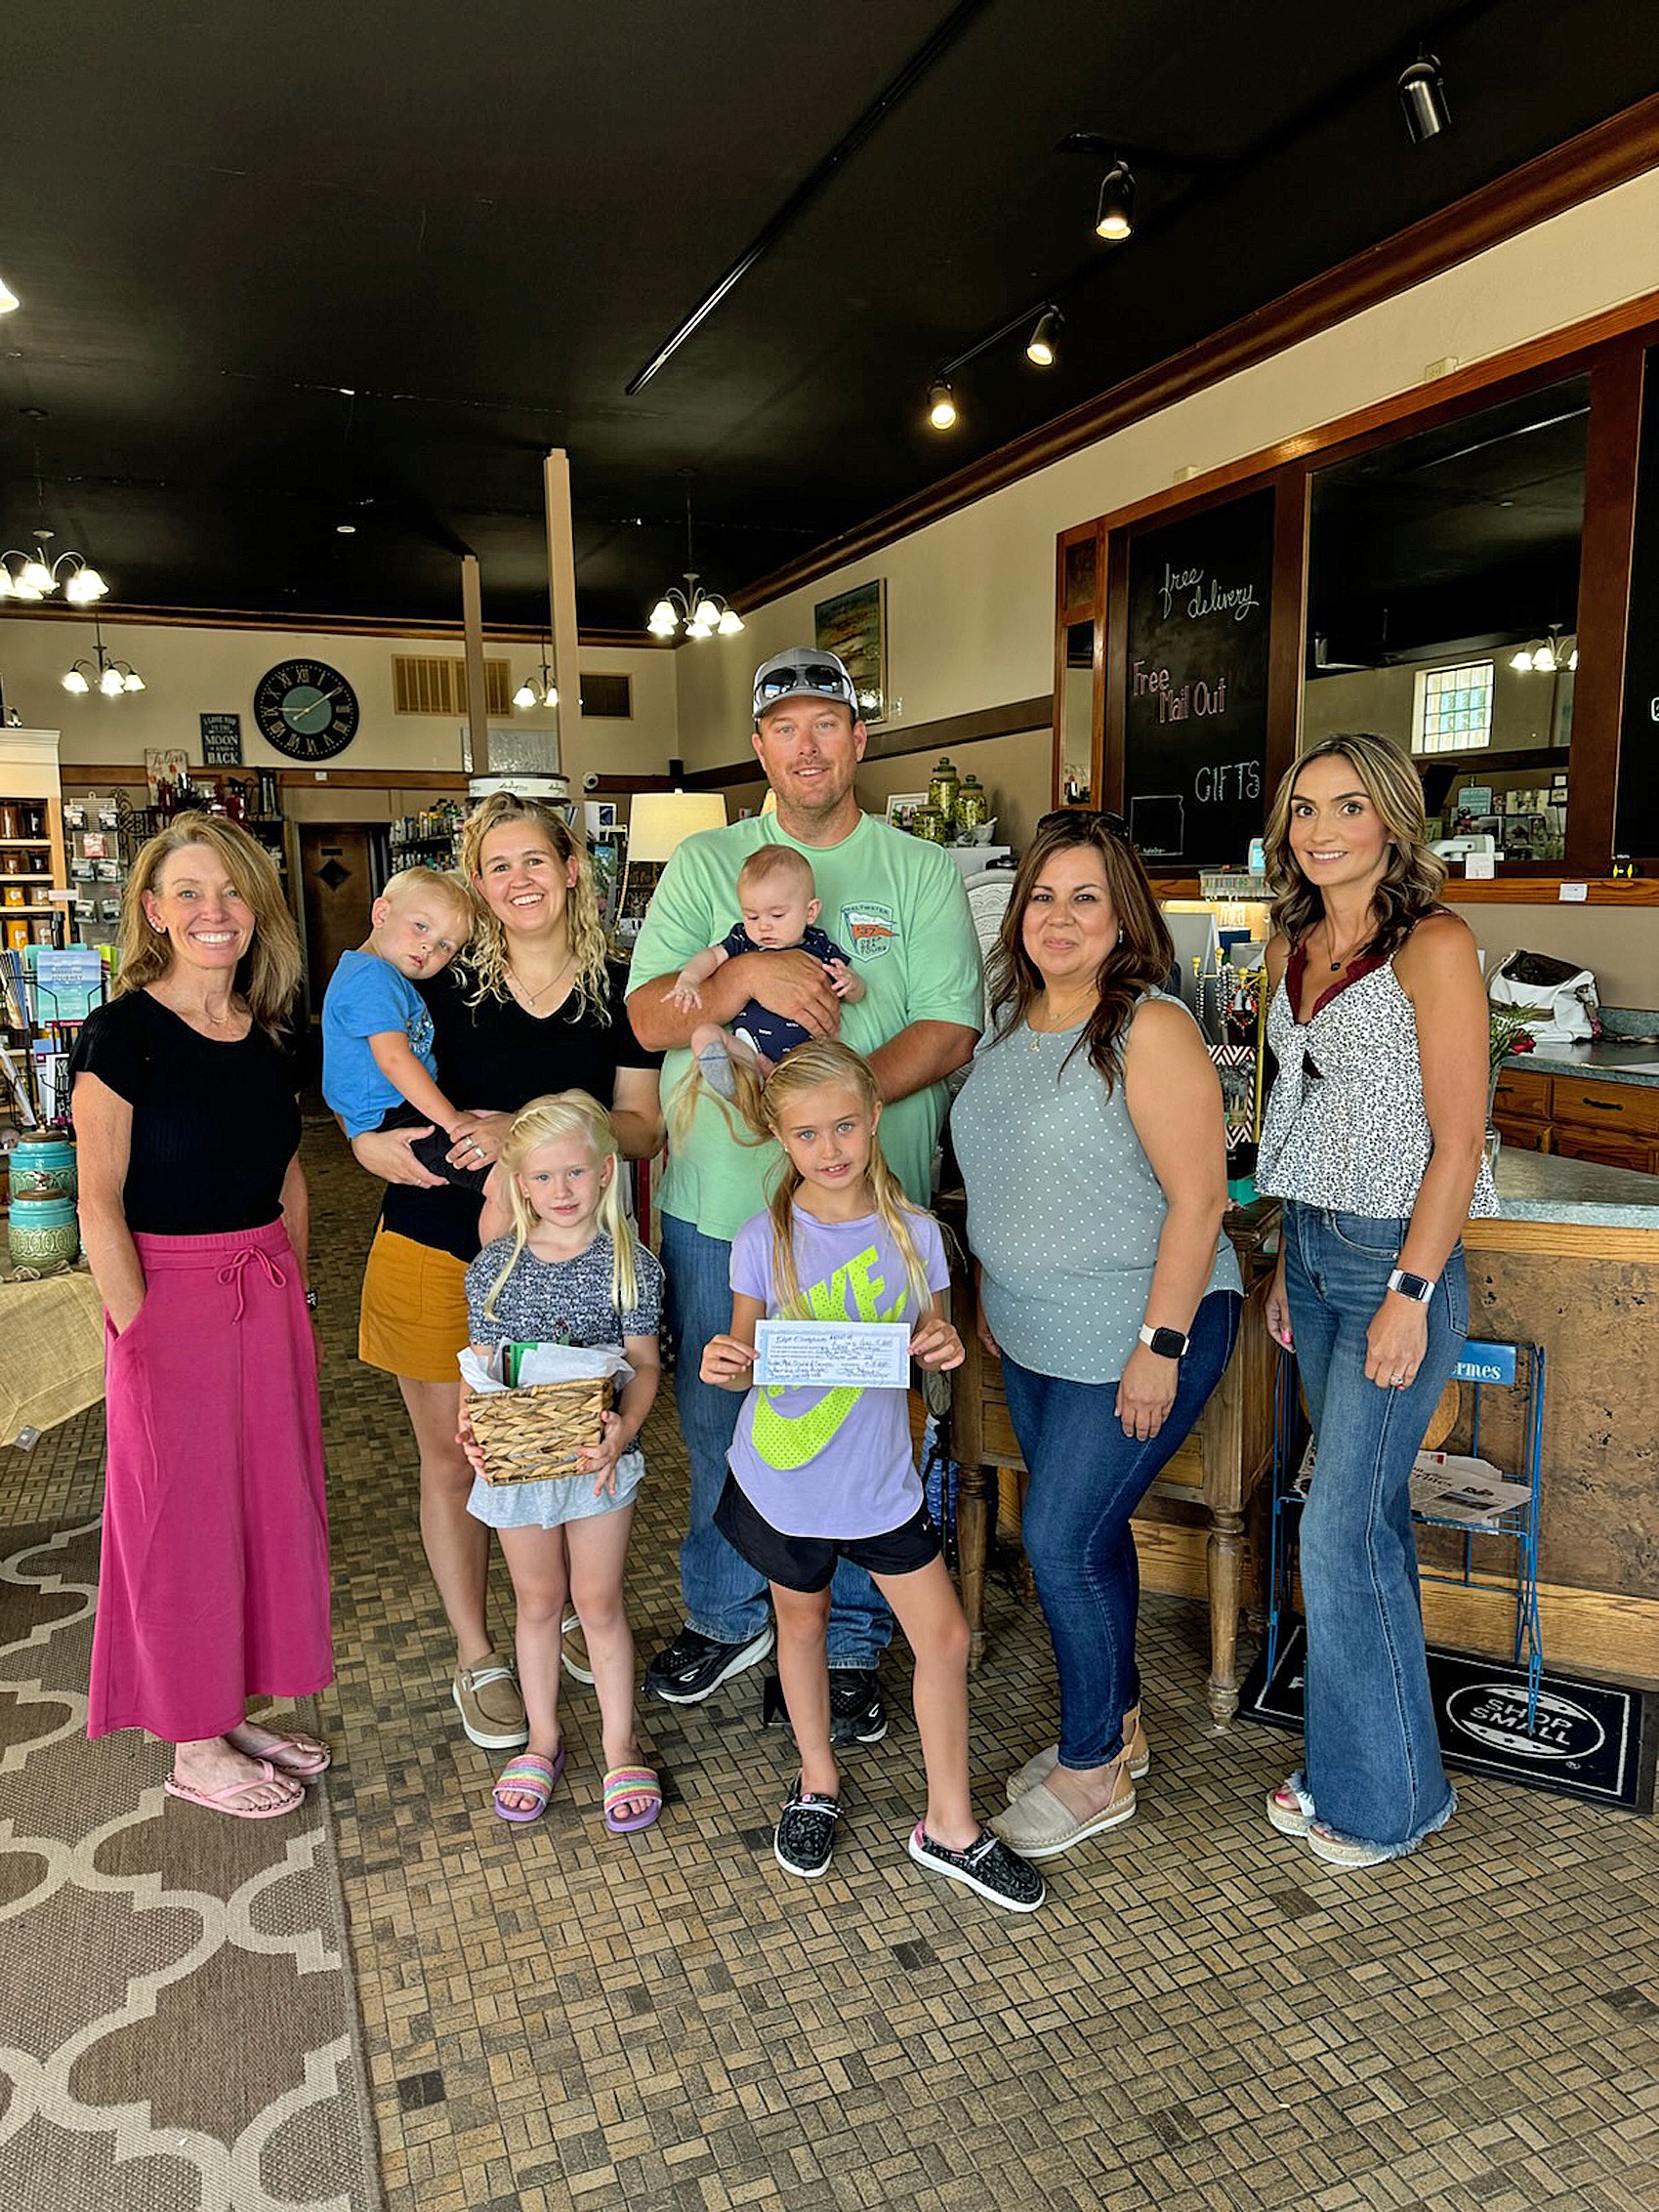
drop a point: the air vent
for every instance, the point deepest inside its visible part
(427, 684)
(608, 698)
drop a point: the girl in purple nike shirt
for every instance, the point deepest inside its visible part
(824, 1474)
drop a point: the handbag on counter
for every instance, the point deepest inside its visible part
(1563, 998)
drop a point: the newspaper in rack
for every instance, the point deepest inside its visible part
(1445, 1486)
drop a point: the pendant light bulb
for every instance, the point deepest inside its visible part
(74, 680)
(1522, 661)
(549, 698)
(1544, 660)
(524, 696)
(1114, 217)
(8, 298)
(1423, 95)
(730, 623)
(110, 683)
(132, 681)
(941, 404)
(35, 581)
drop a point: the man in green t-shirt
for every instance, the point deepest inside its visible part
(898, 904)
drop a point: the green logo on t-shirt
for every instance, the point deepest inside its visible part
(785, 1442)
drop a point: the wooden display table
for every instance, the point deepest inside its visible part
(1197, 1504)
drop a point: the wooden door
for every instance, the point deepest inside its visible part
(336, 883)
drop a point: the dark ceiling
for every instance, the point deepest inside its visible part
(284, 268)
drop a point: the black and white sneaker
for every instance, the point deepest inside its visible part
(987, 1865)
(856, 1712)
(694, 1665)
(805, 1838)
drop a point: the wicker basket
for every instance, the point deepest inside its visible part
(534, 1434)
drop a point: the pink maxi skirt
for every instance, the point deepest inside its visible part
(213, 1583)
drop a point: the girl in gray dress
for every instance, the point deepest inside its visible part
(573, 1272)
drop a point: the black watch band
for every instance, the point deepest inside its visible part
(311, 1301)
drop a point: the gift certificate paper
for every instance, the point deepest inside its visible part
(833, 1355)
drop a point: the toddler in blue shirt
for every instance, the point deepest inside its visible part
(378, 1066)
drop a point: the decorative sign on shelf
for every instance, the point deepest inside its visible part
(222, 741)
(1195, 692)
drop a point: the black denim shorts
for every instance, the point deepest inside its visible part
(807, 1563)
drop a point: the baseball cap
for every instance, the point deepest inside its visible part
(803, 669)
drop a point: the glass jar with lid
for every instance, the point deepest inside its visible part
(973, 804)
(942, 790)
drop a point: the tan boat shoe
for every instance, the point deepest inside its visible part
(492, 1712)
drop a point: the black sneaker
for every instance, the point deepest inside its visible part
(805, 1832)
(856, 1712)
(987, 1865)
(693, 1665)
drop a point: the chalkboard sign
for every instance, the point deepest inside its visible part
(1196, 691)
(1636, 821)
(222, 741)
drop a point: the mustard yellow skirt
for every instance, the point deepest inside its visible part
(412, 1317)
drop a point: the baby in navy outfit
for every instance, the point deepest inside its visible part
(779, 905)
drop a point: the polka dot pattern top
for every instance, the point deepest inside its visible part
(1065, 1212)
(1345, 1127)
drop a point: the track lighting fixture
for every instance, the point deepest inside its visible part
(1114, 216)
(1042, 346)
(1423, 95)
(941, 404)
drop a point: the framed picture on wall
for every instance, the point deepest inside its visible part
(853, 626)
(901, 809)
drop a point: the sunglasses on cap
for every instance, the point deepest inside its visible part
(819, 676)
(1114, 825)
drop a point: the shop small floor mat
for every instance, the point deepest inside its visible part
(1591, 1739)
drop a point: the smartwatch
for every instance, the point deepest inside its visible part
(1419, 1287)
(1168, 1343)
(311, 1301)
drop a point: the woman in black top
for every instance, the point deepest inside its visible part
(213, 1581)
(531, 1007)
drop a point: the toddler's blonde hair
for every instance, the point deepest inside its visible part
(569, 1113)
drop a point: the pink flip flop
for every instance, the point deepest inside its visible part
(624, 1782)
(226, 1799)
(528, 1776)
(300, 1756)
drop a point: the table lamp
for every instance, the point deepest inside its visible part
(659, 822)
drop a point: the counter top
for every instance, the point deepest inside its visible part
(1608, 1061)
(1539, 1187)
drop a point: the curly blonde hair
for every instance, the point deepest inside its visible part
(486, 957)
(268, 975)
(1411, 882)
(569, 1113)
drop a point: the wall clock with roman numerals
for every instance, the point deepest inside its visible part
(306, 709)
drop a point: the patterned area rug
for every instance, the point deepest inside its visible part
(147, 1944)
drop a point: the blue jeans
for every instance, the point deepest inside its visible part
(723, 1596)
(1373, 1757)
(1087, 1477)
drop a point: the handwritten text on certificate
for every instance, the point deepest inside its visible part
(831, 1355)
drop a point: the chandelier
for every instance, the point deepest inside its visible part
(699, 614)
(37, 574)
(540, 692)
(1555, 657)
(104, 673)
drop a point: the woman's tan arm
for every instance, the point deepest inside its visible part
(103, 1144)
(1173, 1098)
(297, 1216)
(1439, 972)
(636, 1112)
